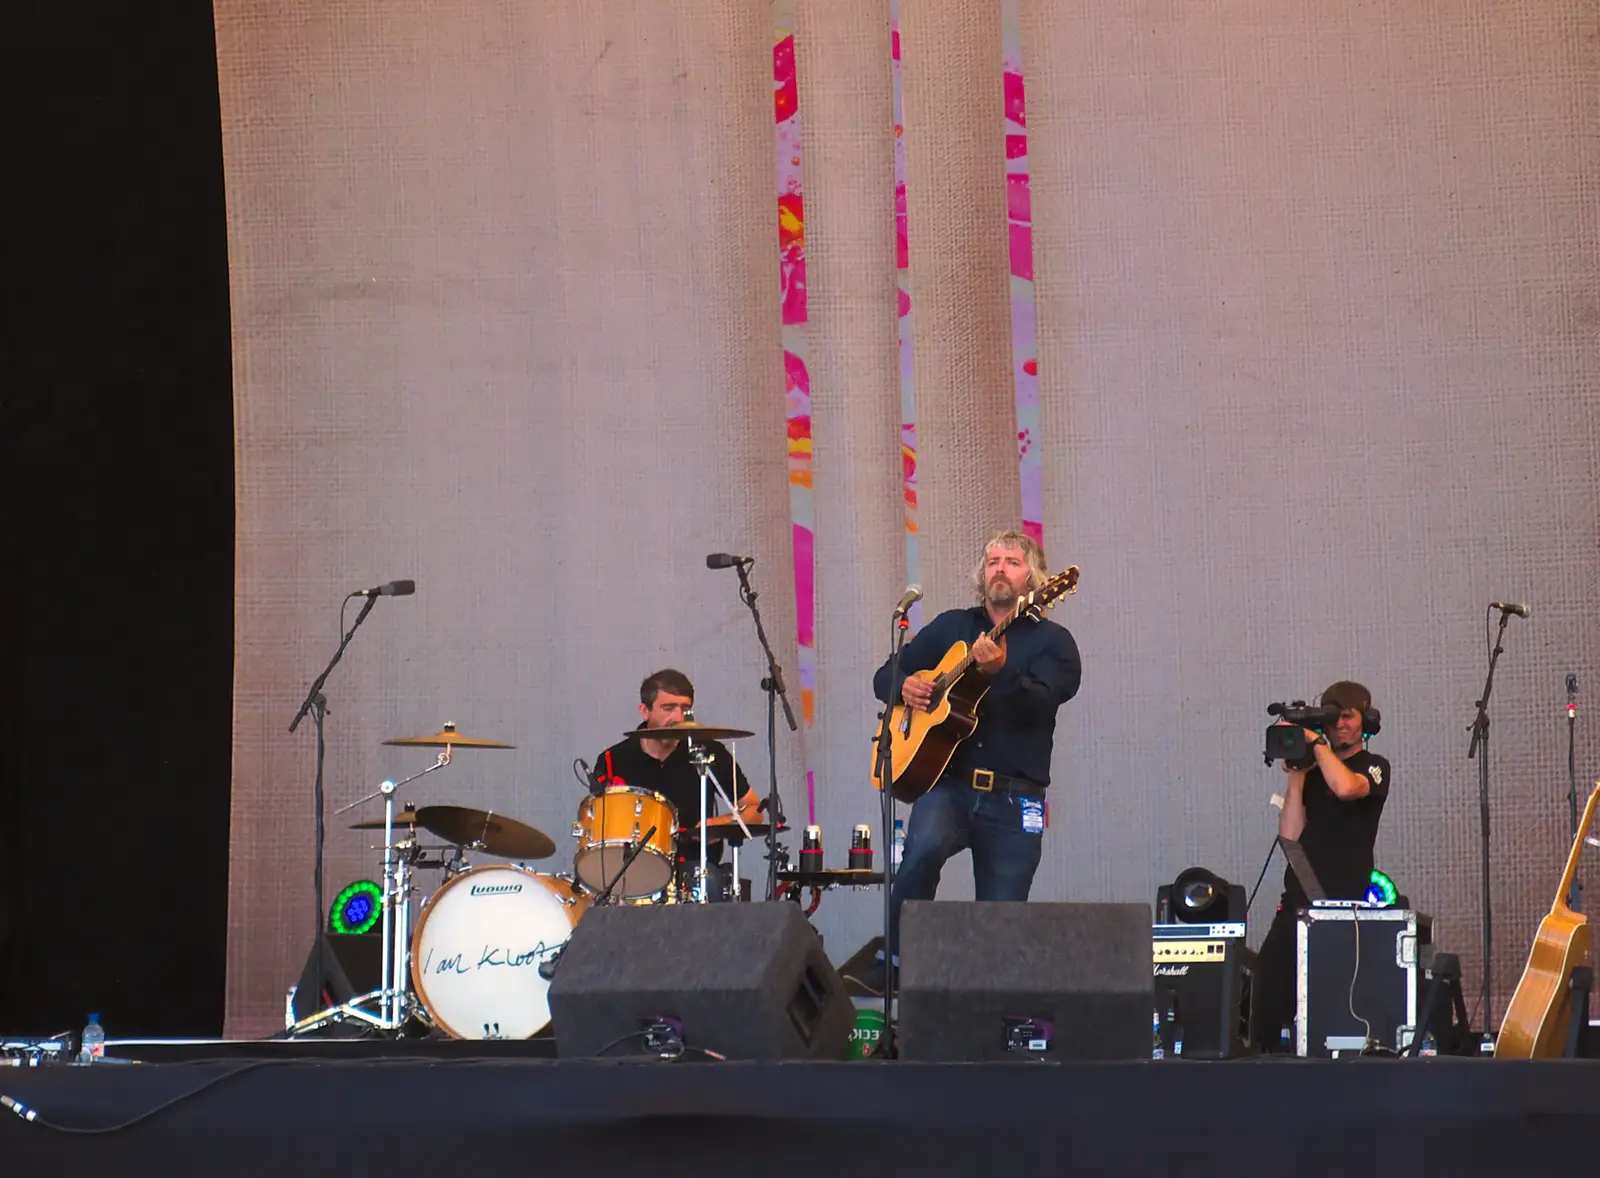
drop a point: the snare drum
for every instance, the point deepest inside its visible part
(609, 824)
(478, 946)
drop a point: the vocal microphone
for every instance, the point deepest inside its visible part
(722, 560)
(388, 589)
(913, 594)
(1510, 607)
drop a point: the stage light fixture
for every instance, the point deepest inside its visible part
(1381, 890)
(356, 909)
(1199, 896)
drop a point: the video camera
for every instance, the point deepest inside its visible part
(1286, 740)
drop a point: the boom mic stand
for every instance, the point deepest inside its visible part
(886, 807)
(317, 704)
(772, 684)
(1480, 748)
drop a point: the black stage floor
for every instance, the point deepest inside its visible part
(265, 1112)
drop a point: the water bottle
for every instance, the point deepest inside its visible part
(1157, 1051)
(92, 1046)
(899, 849)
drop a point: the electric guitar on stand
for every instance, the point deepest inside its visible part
(922, 743)
(1535, 1026)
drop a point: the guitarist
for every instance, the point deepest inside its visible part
(991, 797)
(1332, 809)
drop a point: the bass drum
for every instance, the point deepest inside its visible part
(478, 946)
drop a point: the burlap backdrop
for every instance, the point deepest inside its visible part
(1318, 311)
(1317, 305)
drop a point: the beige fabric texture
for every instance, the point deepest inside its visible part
(504, 282)
(847, 116)
(967, 484)
(1318, 300)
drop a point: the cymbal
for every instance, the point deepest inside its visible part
(401, 818)
(498, 834)
(689, 728)
(449, 737)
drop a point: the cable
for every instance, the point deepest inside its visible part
(619, 1040)
(1271, 851)
(1355, 924)
(32, 1116)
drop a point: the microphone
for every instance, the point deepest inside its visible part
(389, 589)
(913, 594)
(547, 969)
(1510, 607)
(722, 560)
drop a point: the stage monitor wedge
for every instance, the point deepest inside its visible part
(747, 981)
(989, 981)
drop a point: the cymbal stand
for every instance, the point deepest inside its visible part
(394, 999)
(700, 757)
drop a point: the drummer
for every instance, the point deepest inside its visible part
(664, 766)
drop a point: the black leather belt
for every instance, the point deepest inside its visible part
(988, 781)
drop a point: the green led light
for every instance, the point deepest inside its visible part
(357, 908)
(1381, 890)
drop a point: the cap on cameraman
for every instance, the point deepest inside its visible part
(1345, 695)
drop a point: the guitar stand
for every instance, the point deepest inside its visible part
(1456, 1038)
(1578, 1033)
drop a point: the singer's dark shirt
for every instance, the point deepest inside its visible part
(1017, 717)
(675, 779)
(1339, 835)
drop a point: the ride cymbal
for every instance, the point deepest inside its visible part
(496, 833)
(448, 737)
(688, 729)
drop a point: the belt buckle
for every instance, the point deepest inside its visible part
(986, 777)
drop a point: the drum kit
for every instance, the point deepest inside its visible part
(478, 960)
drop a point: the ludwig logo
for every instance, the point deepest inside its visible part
(495, 889)
(1172, 971)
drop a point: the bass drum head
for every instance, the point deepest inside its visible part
(478, 945)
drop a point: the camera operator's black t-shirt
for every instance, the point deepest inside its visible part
(1339, 835)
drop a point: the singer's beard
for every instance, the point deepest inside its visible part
(1001, 593)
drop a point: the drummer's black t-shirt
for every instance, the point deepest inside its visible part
(675, 778)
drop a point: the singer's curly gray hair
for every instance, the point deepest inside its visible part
(1032, 553)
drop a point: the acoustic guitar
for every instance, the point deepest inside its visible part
(1535, 1025)
(922, 743)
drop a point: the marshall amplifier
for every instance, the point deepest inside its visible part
(1202, 976)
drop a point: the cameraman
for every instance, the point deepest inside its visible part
(1332, 808)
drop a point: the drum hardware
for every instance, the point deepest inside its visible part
(700, 757)
(395, 1002)
(690, 730)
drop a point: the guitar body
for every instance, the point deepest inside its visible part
(922, 743)
(1536, 1022)
(1535, 1025)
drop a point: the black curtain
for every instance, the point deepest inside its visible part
(119, 620)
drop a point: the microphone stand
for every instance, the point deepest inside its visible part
(1480, 748)
(886, 813)
(1575, 897)
(317, 704)
(772, 684)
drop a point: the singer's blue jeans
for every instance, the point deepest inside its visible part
(953, 817)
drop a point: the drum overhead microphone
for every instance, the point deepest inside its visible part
(724, 560)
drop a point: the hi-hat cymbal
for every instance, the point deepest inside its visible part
(689, 729)
(448, 737)
(401, 818)
(496, 833)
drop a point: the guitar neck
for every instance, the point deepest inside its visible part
(965, 664)
(1571, 872)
